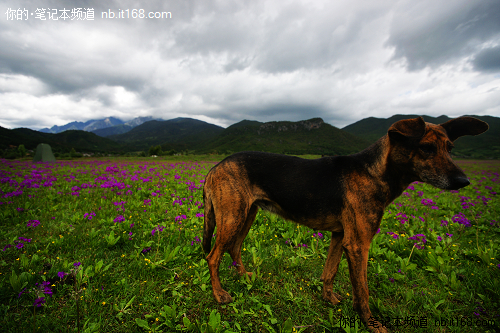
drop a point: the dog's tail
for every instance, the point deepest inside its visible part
(209, 226)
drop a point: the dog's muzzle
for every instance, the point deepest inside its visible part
(457, 183)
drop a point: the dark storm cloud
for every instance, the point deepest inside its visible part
(433, 33)
(488, 60)
(224, 61)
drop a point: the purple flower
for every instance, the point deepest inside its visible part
(7, 246)
(88, 215)
(22, 292)
(391, 279)
(61, 275)
(39, 302)
(180, 218)
(449, 235)
(394, 235)
(318, 235)
(119, 219)
(196, 240)
(439, 238)
(19, 245)
(444, 223)
(427, 202)
(33, 223)
(76, 264)
(461, 219)
(146, 250)
(421, 240)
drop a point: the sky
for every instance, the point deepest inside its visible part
(225, 61)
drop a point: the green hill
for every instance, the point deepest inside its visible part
(61, 142)
(311, 136)
(486, 145)
(178, 133)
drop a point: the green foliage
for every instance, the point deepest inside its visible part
(131, 279)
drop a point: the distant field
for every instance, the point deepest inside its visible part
(114, 246)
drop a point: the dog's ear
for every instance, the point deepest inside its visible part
(461, 126)
(407, 129)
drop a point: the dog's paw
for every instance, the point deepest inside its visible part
(332, 297)
(223, 297)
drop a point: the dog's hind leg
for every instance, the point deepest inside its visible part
(331, 268)
(231, 217)
(235, 250)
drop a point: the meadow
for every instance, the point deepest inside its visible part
(115, 246)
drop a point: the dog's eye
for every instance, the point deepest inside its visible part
(428, 149)
(449, 147)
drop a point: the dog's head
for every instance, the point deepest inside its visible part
(425, 149)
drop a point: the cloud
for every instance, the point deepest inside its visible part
(488, 60)
(226, 61)
(433, 33)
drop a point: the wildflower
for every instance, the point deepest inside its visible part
(319, 235)
(420, 238)
(7, 246)
(461, 219)
(444, 223)
(39, 302)
(119, 219)
(89, 215)
(449, 235)
(180, 217)
(401, 217)
(33, 223)
(61, 275)
(77, 264)
(146, 250)
(427, 202)
(159, 228)
(439, 238)
(391, 279)
(393, 234)
(196, 240)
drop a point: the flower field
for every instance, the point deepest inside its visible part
(115, 246)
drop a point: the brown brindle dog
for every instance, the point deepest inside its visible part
(346, 195)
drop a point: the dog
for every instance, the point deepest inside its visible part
(346, 195)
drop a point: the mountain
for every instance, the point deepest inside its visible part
(114, 130)
(121, 128)
(312, 136)
(81, 141)
(88, 126)
(486, 145)
(178, 133)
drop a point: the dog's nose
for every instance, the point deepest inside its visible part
(460, 182)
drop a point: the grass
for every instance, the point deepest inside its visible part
(135, 228)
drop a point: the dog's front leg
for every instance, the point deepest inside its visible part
(331, 268)
(356, 247)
